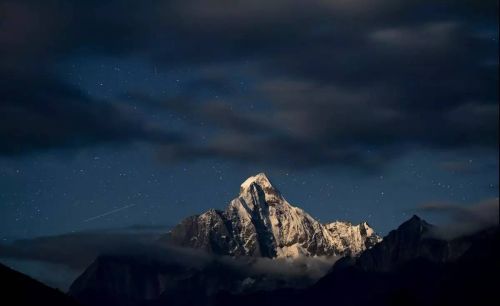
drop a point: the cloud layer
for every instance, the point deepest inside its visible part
(292, 82)
(70, 254)
(463, 220)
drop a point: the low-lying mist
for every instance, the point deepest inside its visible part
(58, 260)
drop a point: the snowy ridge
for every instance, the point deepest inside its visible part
(261, 222)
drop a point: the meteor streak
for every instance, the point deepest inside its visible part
(109, 212)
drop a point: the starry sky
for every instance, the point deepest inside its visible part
(122, 113)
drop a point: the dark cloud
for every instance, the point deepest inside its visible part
(70, 254)
(77, 250)
(43, 113)
(463, 220)
(39, 110)
(66, 256)
(341, 82)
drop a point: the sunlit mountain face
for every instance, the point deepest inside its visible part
(260, 222)
(249, 152)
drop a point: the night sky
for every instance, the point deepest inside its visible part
(121, 113)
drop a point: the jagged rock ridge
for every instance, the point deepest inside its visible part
(260, 222)
(413, 239)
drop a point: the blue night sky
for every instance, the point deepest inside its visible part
(121, 113)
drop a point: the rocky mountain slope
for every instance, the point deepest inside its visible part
(261, 222)
(409, 267)
(174, 276)
(415, 238)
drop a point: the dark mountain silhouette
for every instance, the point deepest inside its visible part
(177, 277)
(409, 267)
(128, 280)
(20, 289)
(413, 239)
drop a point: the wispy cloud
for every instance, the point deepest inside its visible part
(463, 219)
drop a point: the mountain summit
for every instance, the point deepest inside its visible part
(259, 179)
(261, 222)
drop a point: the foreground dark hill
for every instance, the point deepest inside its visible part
(409, 267)
(20, 289)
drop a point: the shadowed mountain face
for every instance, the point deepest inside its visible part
(414, 238)
(187, 278)
(260, 222)
(19, 289)
(409, 267)
(128, 280)
(141, 280)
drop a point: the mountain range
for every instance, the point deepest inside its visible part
(263, 251)
(261, 222)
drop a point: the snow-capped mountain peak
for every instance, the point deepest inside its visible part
(259, 189)
(261, 222)
(260, 179)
